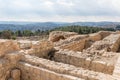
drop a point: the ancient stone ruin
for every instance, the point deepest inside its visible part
(64, 56)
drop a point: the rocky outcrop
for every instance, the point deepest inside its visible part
(57, 35)
(15, 74)
(70, 40)
(78, 42)
(8, 46)
(42, 49)
(110, 43)
(95, 37)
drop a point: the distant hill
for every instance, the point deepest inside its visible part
(28, 26)
(14, 25)
(98, 24)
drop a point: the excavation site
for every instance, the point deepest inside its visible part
(64, 56)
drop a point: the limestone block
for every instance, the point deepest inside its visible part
(57, 35)
(95, 37)
(8, 46)
(98, 66)
(75, 46)
(25, 44)
(14, 57)
(43, 49)
(70, 40)
(15, 74)
(104, 33)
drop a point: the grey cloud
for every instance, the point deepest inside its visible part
(49, 8)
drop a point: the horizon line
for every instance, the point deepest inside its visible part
(54, 21)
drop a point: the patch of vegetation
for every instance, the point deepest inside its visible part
(82, 29)
(8, 34)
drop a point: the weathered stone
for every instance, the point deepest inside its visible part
(110, 43)
(95, 37)
(43, 49)
(25, 44)
(8, 46)
(75, 46)
(15, 74)
(70, 40)
(57, 35)
(104, 34)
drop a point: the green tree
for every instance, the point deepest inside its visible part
(18, 33)
(27, 33)
(7, 34)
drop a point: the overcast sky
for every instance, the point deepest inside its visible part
(60, 10)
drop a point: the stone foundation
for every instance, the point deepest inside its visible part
(76, 57)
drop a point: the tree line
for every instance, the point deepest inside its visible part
(8, 34)
(82, 29)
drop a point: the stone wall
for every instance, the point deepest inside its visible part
(95, 37)
(110, 43)
(42, 49)
(4, 69)
(85, 61)
(116, 72)
(7, 64)
(75, 46)
(8, 46)
(80, 42)
(104, 34)
(32, 66)
(30, 72)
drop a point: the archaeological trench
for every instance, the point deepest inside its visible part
(64, 56)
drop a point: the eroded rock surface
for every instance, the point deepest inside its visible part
(57, 35)
(8, 46)
(15, 74)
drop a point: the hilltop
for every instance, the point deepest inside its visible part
(14, 26)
